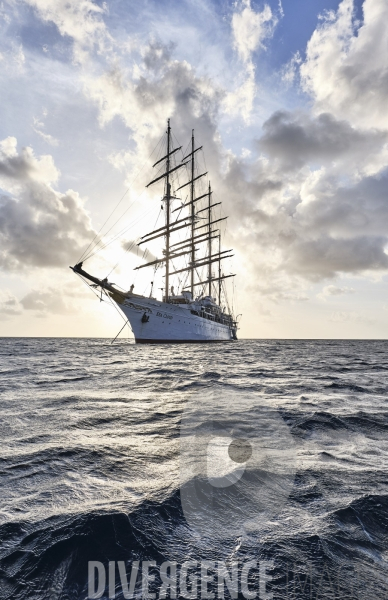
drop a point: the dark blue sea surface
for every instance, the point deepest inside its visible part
(90, 463)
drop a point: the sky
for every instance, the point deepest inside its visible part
(288, 99)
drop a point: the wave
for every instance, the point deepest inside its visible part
(56, 551)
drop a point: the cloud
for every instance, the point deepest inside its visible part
(17, 168)
(39, 226)
(82, 20)
(13, 59)
(342, 316)
(291, 69)
(296, 139)
(163, 88)
(333, 290)
(143, 102)
(46, 137)
(347, 211)
(49, 139)
(240, 101)
(328, 256)
(67, 297)
(141, 252)
(305, 224)
(346, 66)
(9, 305)
(249, 30)
(45, 301)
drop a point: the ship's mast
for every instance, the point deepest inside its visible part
(168, 198)
(192, 215)
(219, 271)
(210, 239)
(168, 228)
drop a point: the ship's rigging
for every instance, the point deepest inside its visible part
(192, 222)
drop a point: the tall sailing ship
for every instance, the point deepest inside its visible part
(193, 311)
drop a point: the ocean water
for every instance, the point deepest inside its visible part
(96, 465)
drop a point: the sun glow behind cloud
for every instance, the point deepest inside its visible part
(87, 91)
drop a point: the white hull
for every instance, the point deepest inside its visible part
(170, 322)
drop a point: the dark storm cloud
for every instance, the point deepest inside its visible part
(360, 209)
(327, 256)
(306, 224)
(343, 231)
(298, 139)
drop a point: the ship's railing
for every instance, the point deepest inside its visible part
(216, 317)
